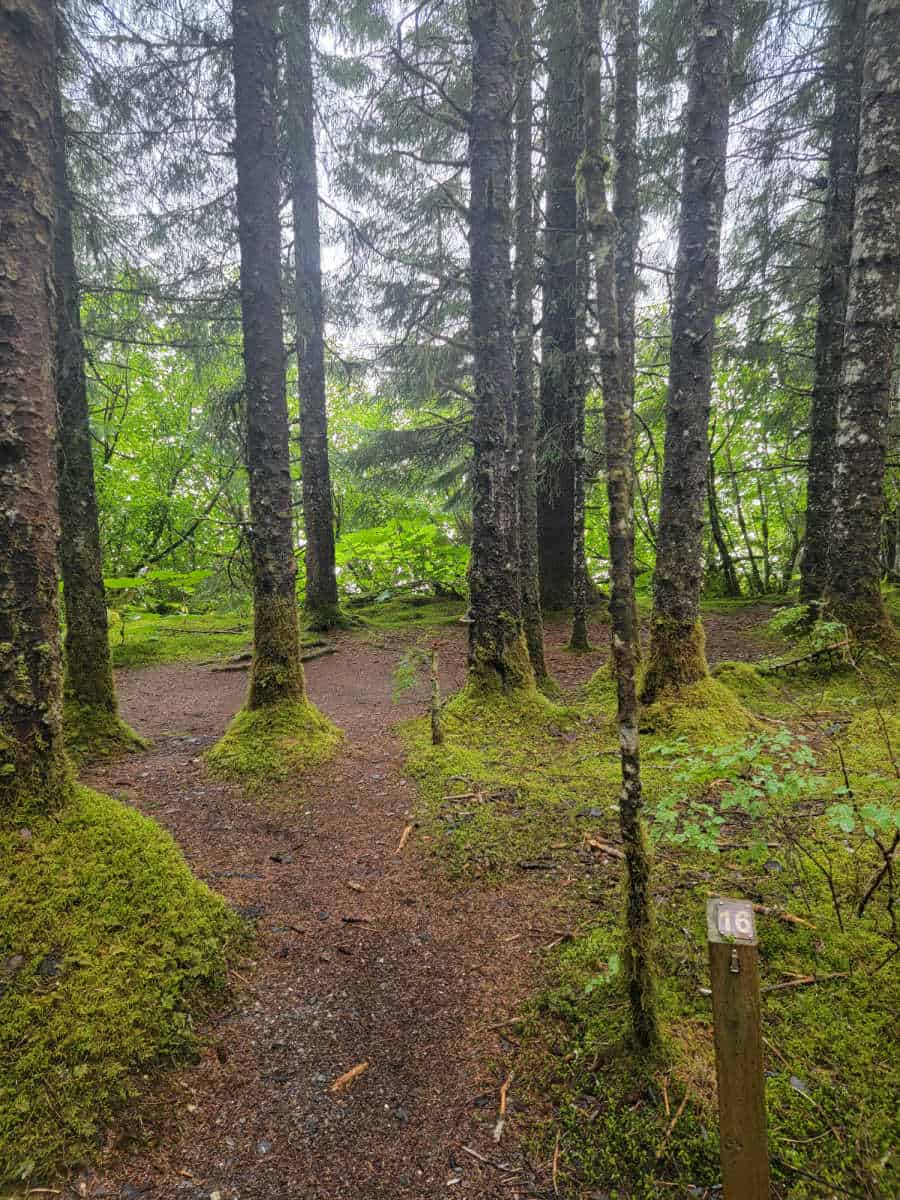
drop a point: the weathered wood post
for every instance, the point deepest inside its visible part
(734, 979)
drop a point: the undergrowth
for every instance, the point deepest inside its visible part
(108, 944)
(777, 787)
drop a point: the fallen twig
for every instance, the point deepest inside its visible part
(556, 1166)
(672, 1124)
(501, 1115)
(343, 1081)
(767, 911)
(404, 837)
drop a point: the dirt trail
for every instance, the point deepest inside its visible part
(364, 954)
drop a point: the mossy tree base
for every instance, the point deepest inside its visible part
(106, 942)
(326, 620)
(705, 711)
(92, 731)
(272, 744)
(36, 782)
(276, 675)
(677, 658)
(868, 622)
(499, 663)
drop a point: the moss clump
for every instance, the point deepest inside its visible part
(489, 800)
(106, 940)
(270, 744)
(91, 731)
(747, 683)
(410, 611)
(706, 711)
(140, 640)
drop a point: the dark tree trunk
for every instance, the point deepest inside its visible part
(88, 677)
(870, 339)
(498, 655)
(676, 649)
(318, 514)
(617, 410)
(529, 574)
(32, 763)
(626, 207)
(560, 360)
(837, 230)
(277, 673)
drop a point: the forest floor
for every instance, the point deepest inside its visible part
(366, 952)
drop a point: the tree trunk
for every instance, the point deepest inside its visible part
(837, 229)
(560, 365)
(626, 208)
(277, 673)
(498, 655)
(88, 677)
(318, 515)
(676, 649)
(32, 763)
(732, 583)
(529, 574)
(870, 339)
(619, 473)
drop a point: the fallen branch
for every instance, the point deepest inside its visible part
(820, 653)
(306, 656)
(803, 981)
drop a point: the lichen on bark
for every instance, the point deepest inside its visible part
(33, 772)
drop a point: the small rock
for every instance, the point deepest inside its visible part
(263, 1147)
(401, 1115)
(216, 1195)
(282, 857)
(25, 835)
(322, 916)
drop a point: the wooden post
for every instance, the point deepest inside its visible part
(734, 978)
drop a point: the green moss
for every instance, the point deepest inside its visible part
(705, 711)
(829, 1060)
(489, 800)
(676, 660)
(143, 639)
(411, 611)
(746, 681)
(94, 732)
(106, 943)
(271, 744)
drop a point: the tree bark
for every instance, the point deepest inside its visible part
(729, 574)
(277, 673)
(318, 514)
(626, 206)
(498, 655)
(560, 359)
(32, 763)
(619, 473)
(88, 661)
(676, 649)
(870, 339)
(837, 229)
(529, 573)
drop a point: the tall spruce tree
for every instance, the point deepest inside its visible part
(32, 763)
(498, 655)
(321, 603)
(523, 286)
(91, 715)
(618, 416)
(277, 673)
(845, 67)
(870, 340)
(561, 374)
(676, 651)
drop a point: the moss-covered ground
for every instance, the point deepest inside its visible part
(108, 947)
(266, 746)
(773, 787)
